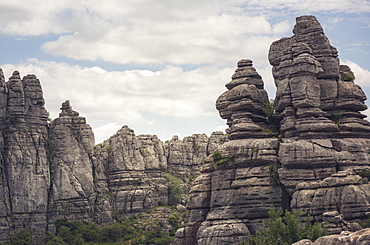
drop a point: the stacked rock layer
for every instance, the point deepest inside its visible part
(308, 151)
(53, 171)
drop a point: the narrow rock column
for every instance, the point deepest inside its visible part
(70, 155)
(244, 104)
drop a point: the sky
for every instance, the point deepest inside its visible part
(159, 66)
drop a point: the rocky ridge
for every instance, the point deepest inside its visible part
(309, 153)
(52, 171)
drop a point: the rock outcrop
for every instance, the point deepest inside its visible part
(316, 97)
(70, 151)
(310, 153)
(53, 171)
(24, 169)
(132, 172)
(361, 237)
(244, 104)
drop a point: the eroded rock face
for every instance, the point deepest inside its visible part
(231, 198)
(131, 170)
(316, 97)
(24, 169)
(51, 171)
(343, 193)
(71, 152)
(361, 237)
(244, 104)
(313, 165)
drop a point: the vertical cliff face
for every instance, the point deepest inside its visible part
(52, 171)
(234, 192)
(70, 149)
(24, 174)
(316, 97)
(131, 170)
(318, 163)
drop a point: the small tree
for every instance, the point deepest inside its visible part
(285, 230)
(22, 237)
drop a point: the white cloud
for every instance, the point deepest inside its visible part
(203, 40)
(367, 113)
(305, 7)
(144, 32)
(132, 97)
(213, 34)
(105, 130)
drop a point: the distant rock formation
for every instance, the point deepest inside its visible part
(317, 160)
(52, 171)
(307, 151)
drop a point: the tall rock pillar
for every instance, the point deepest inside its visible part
(70, 155)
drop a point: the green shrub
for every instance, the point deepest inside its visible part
(108, 148)
(89, 232)
(366, 223)
(364, 173)
(56, 241)
(285, 230)
(269, 109)
(22, 237)
(274, 176)
(174, 189)
(336, 118)
(196, 148)
(270, 114)
(112, 232)
(218, 159)
(348, 76)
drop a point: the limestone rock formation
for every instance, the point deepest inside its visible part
(70, 156)
(316, 97)
(310, 154)
(340, 201)
(318, 162)
(24, 169)
(131, 170)
(361, 237)
(52, 171)
(244, 104)
(184, 157)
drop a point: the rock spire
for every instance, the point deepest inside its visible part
(319, 163)
(244, 104)
(316, 97)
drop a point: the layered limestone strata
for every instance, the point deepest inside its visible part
(312, 154)
(347, 238)
(52, 171)
(319, 162)
(24, 169)
(70, 157)
(316, 97)
(244, 104)
(130, 170)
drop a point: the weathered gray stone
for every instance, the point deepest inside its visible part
(311, 167)
(312, 99)
(244, 104)
(71, 151)
(361, 237)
